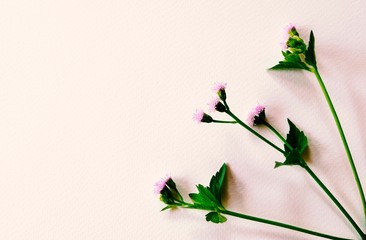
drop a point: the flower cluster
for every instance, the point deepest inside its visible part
(216, 104)
(297, 55)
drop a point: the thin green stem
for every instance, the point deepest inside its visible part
(343, 137)
(336, 202)
(220, 121)
(277, 134)
(279, 224)
(326, 190)
(253, 131)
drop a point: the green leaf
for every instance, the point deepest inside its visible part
(288, 65)
(299, 142)
(215, 217)
(296, 139)
(310, 57)
(205, 199)
(167, 207)
(292, 158)
(216, 183)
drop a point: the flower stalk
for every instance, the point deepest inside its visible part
(320, 183)
(280, 224)
(343, 137)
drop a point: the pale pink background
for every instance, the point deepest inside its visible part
(96, 100)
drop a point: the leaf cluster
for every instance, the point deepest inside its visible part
(298, 143)
(209, 198)
(304, 60)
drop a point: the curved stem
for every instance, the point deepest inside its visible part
(277, 134)
(336, 202)
(326, 190)
(253, 131)
(343, 137)
(279, 224)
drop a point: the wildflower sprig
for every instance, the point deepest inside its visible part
(294, 146)
(209, 198)
(297, 56)
(306, 60)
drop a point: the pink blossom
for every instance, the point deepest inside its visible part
(159, 185)
(213, 103)
(253, 114)
(219, 87)
(198, 115)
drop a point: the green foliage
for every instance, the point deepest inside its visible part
(283, 65)
(217, 182)
(310, 52)
(296, 138)
(215, 217)
(204, 199)
(298, 57)
(209, 198)
(298, 142)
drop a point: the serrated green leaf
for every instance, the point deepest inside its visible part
(289, 66)
(296, 139)
(216, 183)
(215, 217)
(310, 57)
(292, 158)
(298, 142)
(205, 199)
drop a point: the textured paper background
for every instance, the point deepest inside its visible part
(96, 101)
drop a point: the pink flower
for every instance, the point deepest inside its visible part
(159, 185)
(212, 105)
(217, 87)
(198, 115)
(256, 116)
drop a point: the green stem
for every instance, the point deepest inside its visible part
(326, 190)
(220, 121)
(277, 134)
(343, 137)
(279, 224)
(331, 196)
(253, 131)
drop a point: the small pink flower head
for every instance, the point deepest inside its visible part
(215, 104)
(219, 88)
(159, 185)
(256, 116)
(168, 191)
(199, 116)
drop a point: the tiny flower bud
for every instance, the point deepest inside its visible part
(199, 116)
(257, 116)
(219, 88)
(292, 40)
(168, 191)
(216, 105)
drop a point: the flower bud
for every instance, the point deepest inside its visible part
(199, 116)
(257, 116)
(216, 105)
(219, 88)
